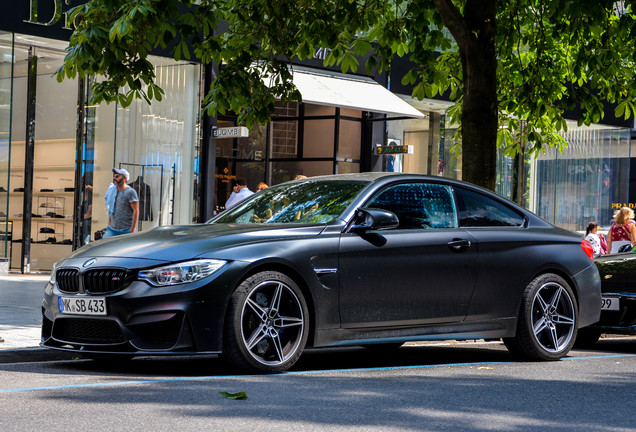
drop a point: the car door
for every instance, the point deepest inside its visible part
(509, 254)
(421, 272)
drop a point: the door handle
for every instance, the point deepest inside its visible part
(459, 245)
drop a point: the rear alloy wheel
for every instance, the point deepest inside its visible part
(267, 324)
(547, 322)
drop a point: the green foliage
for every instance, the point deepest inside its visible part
(235, 396)
(552, 56)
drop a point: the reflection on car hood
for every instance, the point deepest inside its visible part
(175, 243)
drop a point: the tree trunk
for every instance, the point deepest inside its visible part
(479, 112)
(474, 32)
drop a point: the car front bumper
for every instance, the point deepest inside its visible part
(141, 319)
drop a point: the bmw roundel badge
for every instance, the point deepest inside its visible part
(89, 263)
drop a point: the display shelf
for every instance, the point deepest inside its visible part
(42, 219)
(66, 194)
(45, 167)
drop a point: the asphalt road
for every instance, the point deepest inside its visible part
(430, 387)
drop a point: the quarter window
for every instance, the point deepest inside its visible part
(477, 210)
(418, 205)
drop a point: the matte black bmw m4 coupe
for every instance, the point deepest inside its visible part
(372, 259)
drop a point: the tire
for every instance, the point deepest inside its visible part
(587, 338)
(546, 329)
(267, 324)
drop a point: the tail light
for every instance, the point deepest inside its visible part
(587, 248)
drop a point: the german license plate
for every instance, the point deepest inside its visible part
(82, 306)
(610, 303)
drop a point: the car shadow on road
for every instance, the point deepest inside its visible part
(323, 359)
(331, 359)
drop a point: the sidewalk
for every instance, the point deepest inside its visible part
(20, 315)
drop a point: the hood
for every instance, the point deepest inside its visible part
(177, 243)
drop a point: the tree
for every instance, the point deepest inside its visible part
(504, 63)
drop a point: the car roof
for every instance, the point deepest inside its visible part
(387, 177)
(373, 176)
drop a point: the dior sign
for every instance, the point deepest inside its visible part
(48, 21)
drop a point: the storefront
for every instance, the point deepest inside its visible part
(57, 152)
(588, 181)
(335, 130)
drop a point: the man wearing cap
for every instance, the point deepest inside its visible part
(123, 205)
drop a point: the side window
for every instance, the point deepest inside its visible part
(418, 205)
(477, 210)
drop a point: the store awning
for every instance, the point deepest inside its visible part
(349, 91)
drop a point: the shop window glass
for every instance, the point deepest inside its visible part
(6, 64)
(284, 139)
(158, 143)
(318, 110)
(285, 109)
(347, 112)
(53, 133)
(350, 141)
(348, 167)
(584, 183)
(318, 138)
(286, 171)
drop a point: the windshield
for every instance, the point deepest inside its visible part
(308, 202)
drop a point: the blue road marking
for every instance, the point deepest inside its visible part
(314, 372)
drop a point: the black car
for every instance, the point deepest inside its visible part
(372, 259)
(618, 298)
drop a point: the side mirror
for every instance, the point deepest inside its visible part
(374, 219)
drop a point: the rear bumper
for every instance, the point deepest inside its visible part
(588, 284)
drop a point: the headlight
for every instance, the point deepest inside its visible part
(180, 273)
(52, 279)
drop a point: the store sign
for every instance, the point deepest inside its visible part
(35, 18)
(226, 177)
(618, 206)
(394, 149)
(231, 132)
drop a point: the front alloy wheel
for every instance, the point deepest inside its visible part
(266, 327)
(547, 323)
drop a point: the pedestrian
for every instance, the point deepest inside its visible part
(622, 230)
(300, 177)
(123, 205)
(240, 191)
(591, 235)
(261, 186)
